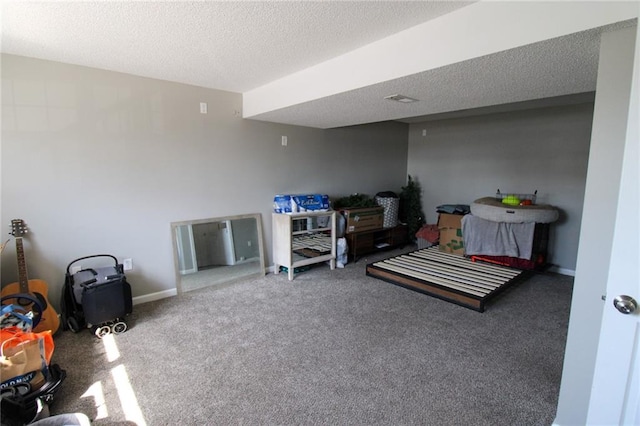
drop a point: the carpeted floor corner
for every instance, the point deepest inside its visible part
(329, 347)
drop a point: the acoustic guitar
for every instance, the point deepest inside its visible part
(37, 288)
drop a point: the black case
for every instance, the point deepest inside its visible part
(21, 405)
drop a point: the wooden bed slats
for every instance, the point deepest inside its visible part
(447, 276)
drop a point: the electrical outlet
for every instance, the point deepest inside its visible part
(76, 269)
(127, 264)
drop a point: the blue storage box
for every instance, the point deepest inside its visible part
(300, 203)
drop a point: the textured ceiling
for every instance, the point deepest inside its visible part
(234, 46)
(543, 70)
(240, 46)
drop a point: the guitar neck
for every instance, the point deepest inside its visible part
(23, 280)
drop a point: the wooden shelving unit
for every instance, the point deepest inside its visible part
(301, 239)
(364, 242)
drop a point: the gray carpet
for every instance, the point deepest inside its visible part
(329, 347)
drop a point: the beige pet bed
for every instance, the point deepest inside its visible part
(489, 208)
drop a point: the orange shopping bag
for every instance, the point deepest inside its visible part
(24, 356)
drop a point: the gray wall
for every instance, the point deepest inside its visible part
(463, 159)
(97, 161)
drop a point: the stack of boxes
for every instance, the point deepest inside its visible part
(300, 203)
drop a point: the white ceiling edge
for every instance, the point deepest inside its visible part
(474, 31)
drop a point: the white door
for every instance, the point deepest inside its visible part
(229, 249)
(615, 395)
(186, 250)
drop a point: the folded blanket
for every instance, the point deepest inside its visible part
(453, 208)
(484, 237)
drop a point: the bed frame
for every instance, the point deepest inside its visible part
(450, 277)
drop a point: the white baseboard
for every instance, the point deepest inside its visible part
(155, 296)
(563, 271)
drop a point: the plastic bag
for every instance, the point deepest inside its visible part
(24, 314)
(24, 357)
(11, 317)
(342, 252)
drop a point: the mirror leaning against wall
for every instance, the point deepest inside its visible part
(217, 251)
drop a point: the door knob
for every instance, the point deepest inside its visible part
(625, 304)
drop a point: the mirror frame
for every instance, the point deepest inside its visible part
(176, 261)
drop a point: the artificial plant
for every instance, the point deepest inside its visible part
(354, 201)
(411, 207)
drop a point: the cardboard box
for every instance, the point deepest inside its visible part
(363, 219)
(450, 226)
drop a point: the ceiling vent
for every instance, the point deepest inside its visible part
(401, 98)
